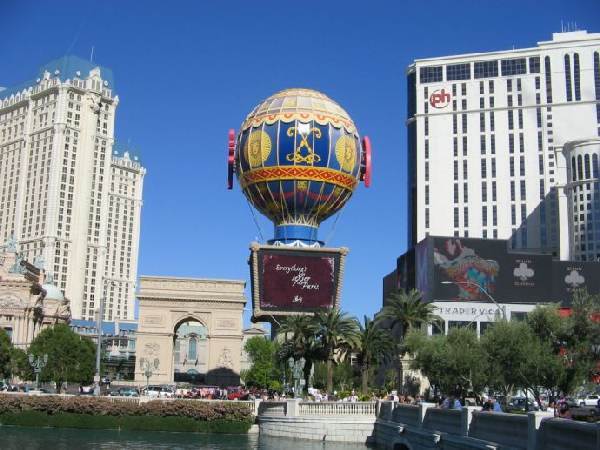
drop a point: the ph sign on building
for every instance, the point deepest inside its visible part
(439, 99)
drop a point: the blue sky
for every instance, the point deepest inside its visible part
(186, 72)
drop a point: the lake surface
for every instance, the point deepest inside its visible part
(24, 438)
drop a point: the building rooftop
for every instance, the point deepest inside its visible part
(65, 68)
(558, 39)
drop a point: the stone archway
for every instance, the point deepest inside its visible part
(166, 303)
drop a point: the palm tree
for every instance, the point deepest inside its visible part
(337, 334)
(376, 345)
(404, 311)
(299, 341)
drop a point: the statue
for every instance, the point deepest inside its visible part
(297, 368)
(11, 244)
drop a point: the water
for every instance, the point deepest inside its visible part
(24, 438)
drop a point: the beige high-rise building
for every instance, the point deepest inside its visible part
(64, 195)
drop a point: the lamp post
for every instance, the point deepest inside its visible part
(38, 365)
(99, 343)
(482, 290)
(148, 368)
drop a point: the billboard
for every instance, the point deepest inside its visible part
(465, 269)
(468, 269)
(288, 281)
(569, 276)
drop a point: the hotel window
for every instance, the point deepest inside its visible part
(464, 143)
(512, 191)
(513, 215)
(548, 75)
(515, 66)
(521, 143)
(464, 123)
(426, 148)
(512, 166)
(518, 86)
(484, 216)
(568, 78)
(430, 74)
(465, 192)
(481, 122)
(483, 168)
(485, 69)
(426, 126)
(511, 121)
(509, 89)
(456, 218)
(465, 175)
(537, 82)
(456, 170)
(495, 219)
(576, 76)
(454, 124)
(458, 72)
(520, 115)
(481, 88)
(523, 192)
(491, 86)
(455, 192)
(492, 122)
(463, 88)
(511, 143)
(541, 164)
(522, 166)
(493, 144)
(542, 190)
(427, 194)
(534, 64)
(597, 84)
(482, 143)
(484, 191)
(455, 146)
(493, 167)
(466, 217)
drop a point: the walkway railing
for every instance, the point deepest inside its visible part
(337, 408)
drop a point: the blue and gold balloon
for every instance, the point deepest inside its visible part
(298, 158)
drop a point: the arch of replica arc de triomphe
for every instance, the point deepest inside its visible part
(167, 302)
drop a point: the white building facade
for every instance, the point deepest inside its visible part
(582, 198)
(485, 138)
(59, 183)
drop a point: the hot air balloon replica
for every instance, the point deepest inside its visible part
(298, 158)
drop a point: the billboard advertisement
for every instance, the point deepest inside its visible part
(470, 269)
(569, 276)
(288, 281)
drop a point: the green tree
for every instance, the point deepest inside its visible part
(455, 363)
(264, 371)
(70, 356)
(5, 351)
(337, 334)
(19, 364)
(299, 334)
(402, 312)
(376, 346)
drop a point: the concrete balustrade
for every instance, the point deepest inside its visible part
(408, 427)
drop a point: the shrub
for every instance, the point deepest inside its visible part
(92, 412)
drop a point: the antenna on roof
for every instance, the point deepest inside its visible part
(92, 54)
(562, 27)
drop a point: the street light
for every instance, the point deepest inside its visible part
(38, 365)
(99, 343)
(482, 290)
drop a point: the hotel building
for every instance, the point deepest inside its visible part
(486, 133)
(65, 196)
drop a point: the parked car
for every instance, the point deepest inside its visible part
(523, 404)
(105, 380)
(125, 392)
(86, 390)
(589, 400)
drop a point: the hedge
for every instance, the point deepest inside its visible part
(101, 413)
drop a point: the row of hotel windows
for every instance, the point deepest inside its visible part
(481, 69)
